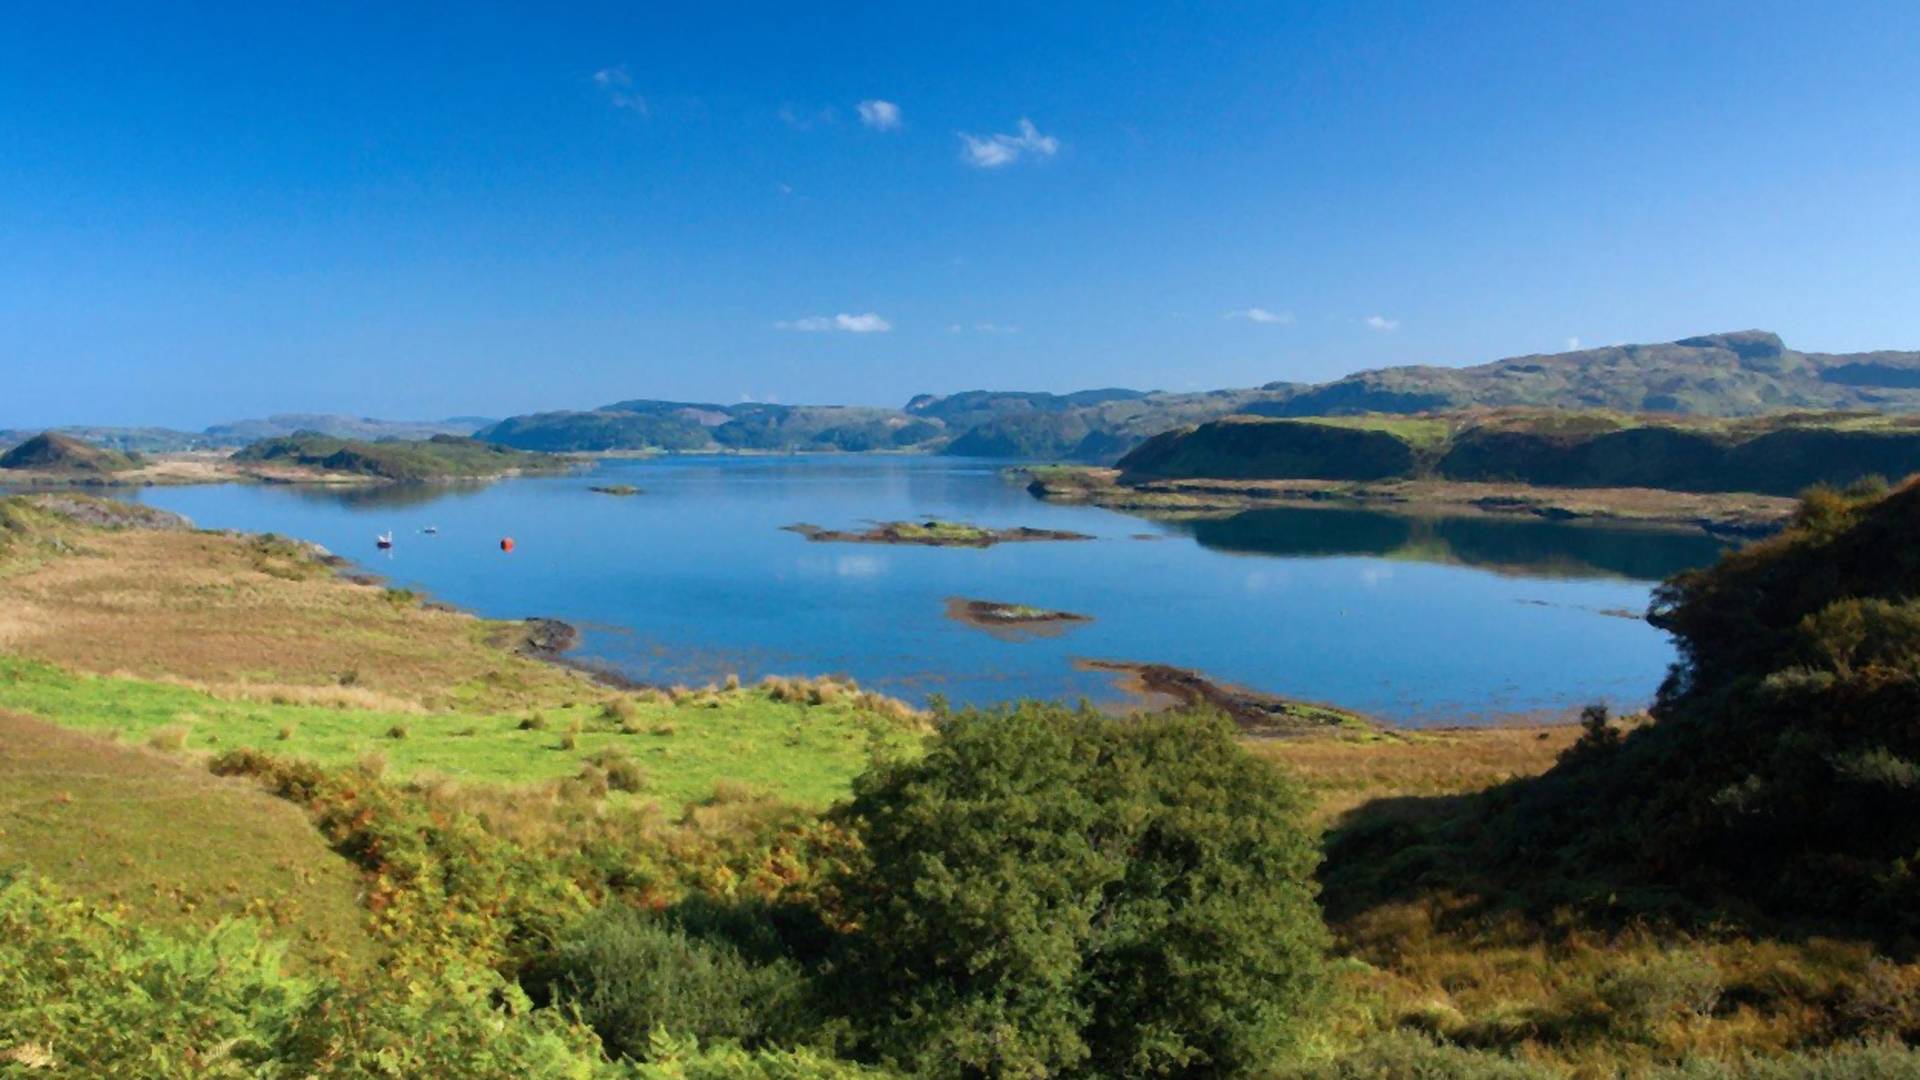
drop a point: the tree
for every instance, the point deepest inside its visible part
(1057, 892)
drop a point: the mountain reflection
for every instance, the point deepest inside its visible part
(1504, 545)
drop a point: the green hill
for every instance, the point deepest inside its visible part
(1744, 373)
(53, 452)
(442, 457)
(1779, 779)
(1777, 455)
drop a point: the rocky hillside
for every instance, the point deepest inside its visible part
(1726, 375)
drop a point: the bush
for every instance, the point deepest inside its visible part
(1405, 1055)
(628, 974)
(1048, 891)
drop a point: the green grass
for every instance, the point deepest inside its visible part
(1422, 433)
(801, 752)
(172, 844)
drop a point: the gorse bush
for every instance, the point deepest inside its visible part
(1052, 892)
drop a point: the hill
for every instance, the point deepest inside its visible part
(52, 452)
(242, 432)
(1778, 455)
(1775, 785)
(1743, 373)
(442, 457)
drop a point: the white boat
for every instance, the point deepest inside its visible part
(383, 541)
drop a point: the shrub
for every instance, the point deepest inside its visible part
(534, 722)
(622, 772)
(628, 974)
(1048, 891)
(172, 737)
(1405, 1055)
(1642, 997)
(397, 731)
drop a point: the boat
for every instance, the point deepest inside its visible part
(383, 541)
(431, 530)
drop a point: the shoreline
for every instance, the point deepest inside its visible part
(1726, 515)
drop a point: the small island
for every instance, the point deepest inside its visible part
(312, 457)
(1011, 621)
(934, 533)
(622, 490)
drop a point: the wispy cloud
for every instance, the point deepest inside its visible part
(805, 117)
(1262, 315)
(1382, 323)
(996, 151)
(982, 328)
(868, 323)
(618, 86)
(879, 115)
(1573, 344)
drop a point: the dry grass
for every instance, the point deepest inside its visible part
(1345, 770)
(172, 843)
(255, 621)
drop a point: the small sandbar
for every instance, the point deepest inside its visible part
(933, 533)
(622, 490)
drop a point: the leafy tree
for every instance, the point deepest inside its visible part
(1056, 892)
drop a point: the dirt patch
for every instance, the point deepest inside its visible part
(933, 534)
(1257, 713)
(1012, 622)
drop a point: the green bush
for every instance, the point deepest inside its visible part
(628, 974)
(1050, 892)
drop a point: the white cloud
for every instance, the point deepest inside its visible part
(982, 328)
(1573, 344)
(868, 323)
(879, 115)
(618, 86)
(805, 118)
(995, 151)
(1262, 315)
(1382, 324)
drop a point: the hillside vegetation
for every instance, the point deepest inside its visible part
(1776, 455)
(52, 452)
(441, 457)
(509, 870)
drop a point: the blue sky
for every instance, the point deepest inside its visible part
(210, 211)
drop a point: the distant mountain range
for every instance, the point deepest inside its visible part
(237, 433)
(1744, 373)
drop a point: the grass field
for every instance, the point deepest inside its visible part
(171, 843)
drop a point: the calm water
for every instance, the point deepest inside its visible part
(1453, 620)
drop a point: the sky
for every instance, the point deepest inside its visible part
(211, 211)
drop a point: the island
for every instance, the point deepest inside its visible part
(622, 490)
(934, 533)
(1011, 621)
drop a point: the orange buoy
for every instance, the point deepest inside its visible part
(506, 543)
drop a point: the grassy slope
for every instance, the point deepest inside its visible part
(801, 752)
(172, 843)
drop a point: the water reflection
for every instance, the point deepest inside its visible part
(1517, 546)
